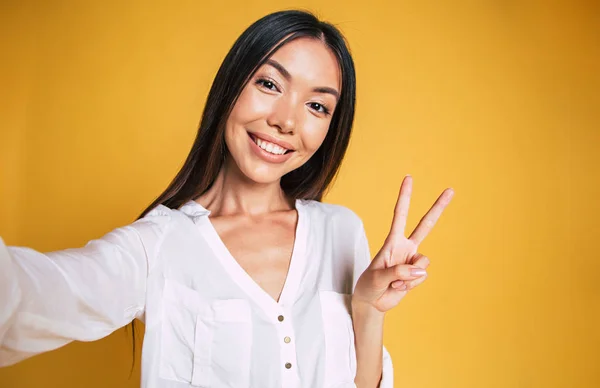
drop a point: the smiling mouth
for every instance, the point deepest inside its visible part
(269, 147)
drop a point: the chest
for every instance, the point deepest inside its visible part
(216, 330)
(263, 249)
(211, 325)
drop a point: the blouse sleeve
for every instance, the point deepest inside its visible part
(50, 299)
(363, 259)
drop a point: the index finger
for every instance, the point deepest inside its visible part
(401, 209)
(430, 219)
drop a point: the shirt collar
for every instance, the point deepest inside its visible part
(194, 210)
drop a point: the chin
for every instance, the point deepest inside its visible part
(262, 174)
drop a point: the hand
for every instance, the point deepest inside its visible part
(397, 267)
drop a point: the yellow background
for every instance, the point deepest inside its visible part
(498, 99)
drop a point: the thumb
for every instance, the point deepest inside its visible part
(399, 272)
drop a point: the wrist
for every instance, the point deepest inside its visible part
(368, 336)
(366, 312)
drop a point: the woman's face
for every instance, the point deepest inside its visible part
(283, 113)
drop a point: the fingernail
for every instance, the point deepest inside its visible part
(417, 272)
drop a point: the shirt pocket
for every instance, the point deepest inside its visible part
(204, 344)
(340, 353)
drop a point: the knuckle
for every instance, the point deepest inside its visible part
(429, 223)
(400, 271)
(401, 213)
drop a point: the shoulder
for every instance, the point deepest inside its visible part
(154, 224)
(152, 230)
(159, 215)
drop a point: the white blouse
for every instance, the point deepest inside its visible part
(208, 324)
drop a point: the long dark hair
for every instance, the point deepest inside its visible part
(256, 44)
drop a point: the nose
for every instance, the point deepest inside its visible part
(283, 115)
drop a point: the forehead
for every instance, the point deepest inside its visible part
(311, 61)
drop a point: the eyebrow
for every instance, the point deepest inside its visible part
(286, 74)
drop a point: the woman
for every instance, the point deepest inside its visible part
(241, 275)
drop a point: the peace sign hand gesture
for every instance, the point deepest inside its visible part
(397, 267)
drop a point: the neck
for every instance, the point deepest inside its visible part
(233, 193)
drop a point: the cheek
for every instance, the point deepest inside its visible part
(250, 106)
(314, 134)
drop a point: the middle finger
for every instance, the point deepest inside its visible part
(430, 219)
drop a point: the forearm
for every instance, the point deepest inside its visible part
(368, 334)
(50, 299)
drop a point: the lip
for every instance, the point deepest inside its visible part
(267, 156)
(273, 140)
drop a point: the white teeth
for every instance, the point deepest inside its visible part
(269, 147)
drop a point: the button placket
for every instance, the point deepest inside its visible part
(285, 332)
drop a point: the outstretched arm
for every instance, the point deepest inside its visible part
(48, 300)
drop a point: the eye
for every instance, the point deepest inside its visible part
(319, 108)
(265, 83)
